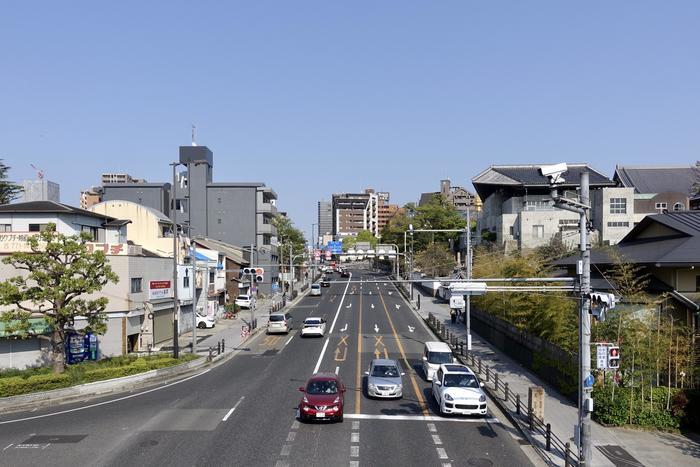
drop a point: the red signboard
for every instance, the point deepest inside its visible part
(159, 285)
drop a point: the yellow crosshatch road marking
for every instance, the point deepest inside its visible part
(378, 340)
(338, 357)
(270, 341)
(343, 340)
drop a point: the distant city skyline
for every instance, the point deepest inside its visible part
(313, 98)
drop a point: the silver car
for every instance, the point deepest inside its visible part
(384, 379)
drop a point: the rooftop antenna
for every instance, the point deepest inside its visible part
(194, 135)
(39, 172)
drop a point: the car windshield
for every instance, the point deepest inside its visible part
(243, 297)
(439, 357)
(387, 371)
(322, 387)
(309, 323)
(276, 318)
(460, 380)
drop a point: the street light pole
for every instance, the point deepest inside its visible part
(176, 305)
(468, 317)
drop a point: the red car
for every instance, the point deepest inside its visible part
(323, 398)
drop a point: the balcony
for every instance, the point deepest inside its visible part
(266, 229)
(266, 208)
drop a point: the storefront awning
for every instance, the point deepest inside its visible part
(37, 326)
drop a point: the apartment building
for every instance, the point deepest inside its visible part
(462, 199)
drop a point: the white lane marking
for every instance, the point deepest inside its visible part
(354, 437)
(320, 357)
(9, 447)
(372, 306)
(447, 464)
(370, 292)
(354, 451)
(397, 306)
(342, 299)
(345, 328)
(354, 463)
(295, 425)
(281, 464)
(349, 305)
(105, 402)
(411, 328)
(337, 369)
(288, 341)
(291, 436)
(389, 292)
(441, 453)
(356, 425)
(285, 450)
(376, 328)
(436, 439)
(233, 409)
(421, 418)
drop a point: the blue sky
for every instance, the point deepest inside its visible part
(320, 97)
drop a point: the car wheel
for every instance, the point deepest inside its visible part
(202, 325)
(340, 419)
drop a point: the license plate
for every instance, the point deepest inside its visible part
(320, 415)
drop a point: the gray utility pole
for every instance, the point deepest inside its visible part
(585, 403)
(176, 305)
(291, 271)
(468, 308)
(193, 288)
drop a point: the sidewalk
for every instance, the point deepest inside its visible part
(648, 448)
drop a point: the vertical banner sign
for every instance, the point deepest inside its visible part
(317, 254)
(328, 255)
(602, 357)
(158, 289)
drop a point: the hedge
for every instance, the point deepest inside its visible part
(28, 381)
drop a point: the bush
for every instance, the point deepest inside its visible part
(617, 412)
(16, 385)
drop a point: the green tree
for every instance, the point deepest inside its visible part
(9, 191)
(436, 260)
(364, 236)
(288, 235)
(55, 277)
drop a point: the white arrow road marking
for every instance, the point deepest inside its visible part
(345, 328)
(398, 306)
(411, 328)
(376, 328)
(372, 306)
(349, 305)
(385, 284)
(390, 293)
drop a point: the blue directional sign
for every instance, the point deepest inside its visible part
(335, 248)
(588, 382)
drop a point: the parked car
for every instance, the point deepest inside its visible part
(244, 301)
(204, 322)
(313, 327)
(457, 390)
(279, 322)
(323, 398)
(384, 379)
(435, 353)
(315, 290)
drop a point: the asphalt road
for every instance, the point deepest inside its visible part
(243, 412)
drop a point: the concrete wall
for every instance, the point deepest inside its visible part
(686, 279)
(601, 215)
(24, 353)
(153, 195)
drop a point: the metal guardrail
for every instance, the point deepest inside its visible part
(521, 412)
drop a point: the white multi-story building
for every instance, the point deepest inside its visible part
(518, 212)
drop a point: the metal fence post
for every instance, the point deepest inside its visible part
(479, 366)
(223, 345)
(517, 404)
(488, 373)
(495, 381)
(529, 415)
(211, 353)
(507, 391)
(567, 449)
(549, 437)
(218, 348)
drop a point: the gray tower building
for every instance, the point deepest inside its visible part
(325, 218)
(40, 190)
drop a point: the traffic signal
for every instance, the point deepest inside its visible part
(613, 357)
(259, 274)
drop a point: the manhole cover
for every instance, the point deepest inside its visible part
(479, 462)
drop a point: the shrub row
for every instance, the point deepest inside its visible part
(85, 373)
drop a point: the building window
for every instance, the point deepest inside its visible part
(538, 231)
(618, 205)
(136, 284)
(218, 221)
(218, 200)
(92, 231)
(678, 207)
(186, 282)
(512, 231)
(181, 205)
(618, 224)
(37, 227)
(211, 277)
(5, 227)
(661, 206)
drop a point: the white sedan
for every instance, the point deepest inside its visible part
(313, 327)
(457, 391)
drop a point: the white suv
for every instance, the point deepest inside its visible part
(457, 390)
(244, 301)
(279, 322)
(435, 353)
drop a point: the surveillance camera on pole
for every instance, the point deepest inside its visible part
(554, 173)
(600, 304)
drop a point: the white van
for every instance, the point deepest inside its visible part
(315, 290)
(435, 354)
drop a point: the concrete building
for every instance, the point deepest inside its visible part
(518, 213)
(325, 219)
(461, 198)
(355, 212)
(140, 309)
(40, 190)
(658, 189)
(90, 197)
(153, 195)
(233, 261)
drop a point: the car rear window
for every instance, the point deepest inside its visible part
(312, 322)
(276, 318)
(243, 297)
(439, 357)
(315, 286)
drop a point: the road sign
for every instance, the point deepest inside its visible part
(457, 301)
(317, 254)
(328, 255)
(468, 288)
(602, 357)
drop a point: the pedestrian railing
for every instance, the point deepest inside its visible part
(218, 350)
(521, 412)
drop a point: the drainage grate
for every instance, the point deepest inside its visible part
(618, 456)
(55, 439)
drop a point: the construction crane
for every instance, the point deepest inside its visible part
(39, 172)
